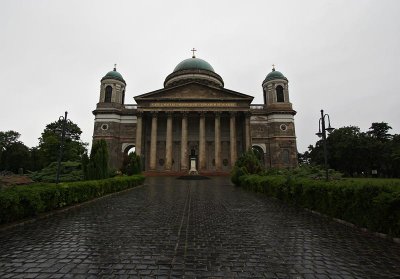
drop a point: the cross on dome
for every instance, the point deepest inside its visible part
(193, 50)
(115, 67)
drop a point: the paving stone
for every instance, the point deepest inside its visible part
(198, 229)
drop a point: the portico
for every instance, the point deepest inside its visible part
(212, 131)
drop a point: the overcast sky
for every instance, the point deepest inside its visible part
(341, 55)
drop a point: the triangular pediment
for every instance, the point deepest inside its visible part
(193, 91)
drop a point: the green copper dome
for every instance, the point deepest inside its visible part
(274, 75)
(114, 75)
(194, 64)
(193, 70)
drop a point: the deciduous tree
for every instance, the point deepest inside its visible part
(50, 141)
(13, 153)
(354, 152)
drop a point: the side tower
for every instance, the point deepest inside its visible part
(114, 121)
(281, 130)
(273, 129)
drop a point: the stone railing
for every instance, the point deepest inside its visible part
(257, 107)
(130, 106)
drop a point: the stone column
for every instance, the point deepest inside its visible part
(202, 141)
(153, 142)
(247, 131)
(168, 143)
(217, 143)
(184, 142)
(138, 147)
(232, 131)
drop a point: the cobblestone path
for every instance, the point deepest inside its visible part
(192, 229)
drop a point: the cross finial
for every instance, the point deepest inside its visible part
(273, 67)
(193, 50)
(115, 67)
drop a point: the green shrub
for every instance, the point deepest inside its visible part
(369, 203)
(133, 165)
(69, 171)
(26, 201)
(247, 163)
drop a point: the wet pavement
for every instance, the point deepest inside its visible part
(193, 229)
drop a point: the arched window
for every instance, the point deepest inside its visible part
(108, 96)
(123, 97)
(279, 94)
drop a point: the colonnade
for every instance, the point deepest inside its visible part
(184, 140)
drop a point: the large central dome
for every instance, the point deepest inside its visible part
(194, 70)
(193, 64)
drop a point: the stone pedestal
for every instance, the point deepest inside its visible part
(193, 166)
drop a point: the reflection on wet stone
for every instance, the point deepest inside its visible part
(202, 228)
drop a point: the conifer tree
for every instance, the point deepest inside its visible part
(97, 167)
(134, 165)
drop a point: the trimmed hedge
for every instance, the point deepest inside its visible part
(27, 201)
(370, 203)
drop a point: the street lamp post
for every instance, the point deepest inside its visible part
(322, 133)
(64, 121)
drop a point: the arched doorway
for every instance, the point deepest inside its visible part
(127, 148)
(259, 152)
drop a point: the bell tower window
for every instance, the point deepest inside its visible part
(108, 96)
(123, 97)
(279, 94)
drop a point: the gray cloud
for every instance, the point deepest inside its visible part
(342, 56)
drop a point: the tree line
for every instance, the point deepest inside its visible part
(375, 152)
(15, 155)
(40, 161)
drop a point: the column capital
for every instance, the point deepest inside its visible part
(217, 113)
(247, 113)
(203, 113)
(154, 113)
(169, 113)
(232, 113)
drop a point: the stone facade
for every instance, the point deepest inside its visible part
(195, 120)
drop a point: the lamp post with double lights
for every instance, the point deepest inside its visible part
(322, 133)
(64, 121)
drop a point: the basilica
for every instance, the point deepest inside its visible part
(194, 124)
